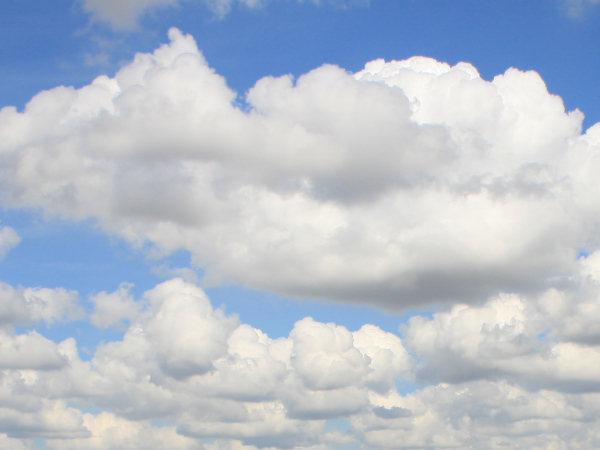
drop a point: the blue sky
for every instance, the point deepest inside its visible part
(275, 227)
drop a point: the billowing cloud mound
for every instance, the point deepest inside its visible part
(512, 372)
(409, 181)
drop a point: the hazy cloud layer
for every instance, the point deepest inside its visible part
(506, 373)
(577, 8)
(409, 182)
(124, 14)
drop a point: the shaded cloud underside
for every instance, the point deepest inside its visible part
(406, 183)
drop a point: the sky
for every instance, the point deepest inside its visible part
(299, 224)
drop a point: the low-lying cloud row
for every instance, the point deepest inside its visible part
(514, 371)
(408, 182)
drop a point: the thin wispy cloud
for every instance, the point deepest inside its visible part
(578, 8)
(124, 15)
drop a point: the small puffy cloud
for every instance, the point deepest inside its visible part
(23, 305)
(411, 181)
(324, 356)
(188, 334)
(8, 239)
(114, 308)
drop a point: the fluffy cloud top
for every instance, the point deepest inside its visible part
(409, 181)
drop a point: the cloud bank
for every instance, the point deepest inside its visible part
(408, 182)
(512, 372)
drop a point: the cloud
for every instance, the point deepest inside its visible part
(24, 305)
(542, 342)
(502, 373)
(124, 14)
(408, 182)
(112, 309)
(200, 372)
(576, 8)
(8, 240)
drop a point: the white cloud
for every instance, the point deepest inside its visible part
(411, 181)
(29, 351)
(108, 431)
(203, 375)
(576, 8)
(8, 240)
(23, 305)
(112, 309)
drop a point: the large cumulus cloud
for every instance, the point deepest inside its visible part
(408, 182)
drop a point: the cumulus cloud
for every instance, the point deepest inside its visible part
(124, 14)
(408, 182)
(502, 373)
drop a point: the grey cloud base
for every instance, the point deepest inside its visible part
(406, 183)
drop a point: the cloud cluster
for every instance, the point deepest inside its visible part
(509, 372)
(408, 182)
(201, 373)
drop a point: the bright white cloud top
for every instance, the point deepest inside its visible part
(406, 184)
